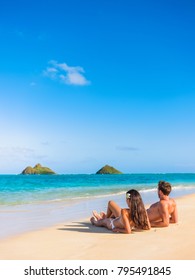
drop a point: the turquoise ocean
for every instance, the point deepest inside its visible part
(29, 202)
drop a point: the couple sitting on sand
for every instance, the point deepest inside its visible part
(160, 214)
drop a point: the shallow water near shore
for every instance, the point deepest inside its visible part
(33, 202)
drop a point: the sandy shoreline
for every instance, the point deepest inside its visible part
(79, 240)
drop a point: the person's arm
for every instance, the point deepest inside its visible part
(163, 209)
(174, 216)
(149, 224)
(127, 227)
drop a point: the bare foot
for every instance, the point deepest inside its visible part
(103, 215)
(97, 215)
(92, 220)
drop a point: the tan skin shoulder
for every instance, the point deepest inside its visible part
(169, 204)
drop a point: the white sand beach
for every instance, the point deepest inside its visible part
(79, 240)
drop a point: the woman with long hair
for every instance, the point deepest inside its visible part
(123, 220)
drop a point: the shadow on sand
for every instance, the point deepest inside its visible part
(87, 227)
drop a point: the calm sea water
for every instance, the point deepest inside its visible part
(32, 201)
(20, 189)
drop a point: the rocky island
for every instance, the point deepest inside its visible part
(38, 169)
(108, 170)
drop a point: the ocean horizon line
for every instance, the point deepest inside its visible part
(130, 173)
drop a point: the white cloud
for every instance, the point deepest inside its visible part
(70, 75)
(17, 153)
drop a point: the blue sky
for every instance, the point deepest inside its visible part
(88, 83)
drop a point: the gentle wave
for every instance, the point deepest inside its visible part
(18, 189)
(32, 202)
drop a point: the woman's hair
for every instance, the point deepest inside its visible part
(137, 210)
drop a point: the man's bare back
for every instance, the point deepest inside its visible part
(158, 210)
(164, 211)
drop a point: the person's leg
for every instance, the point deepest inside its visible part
(97, 215)
(113, 209)
(101, 223)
